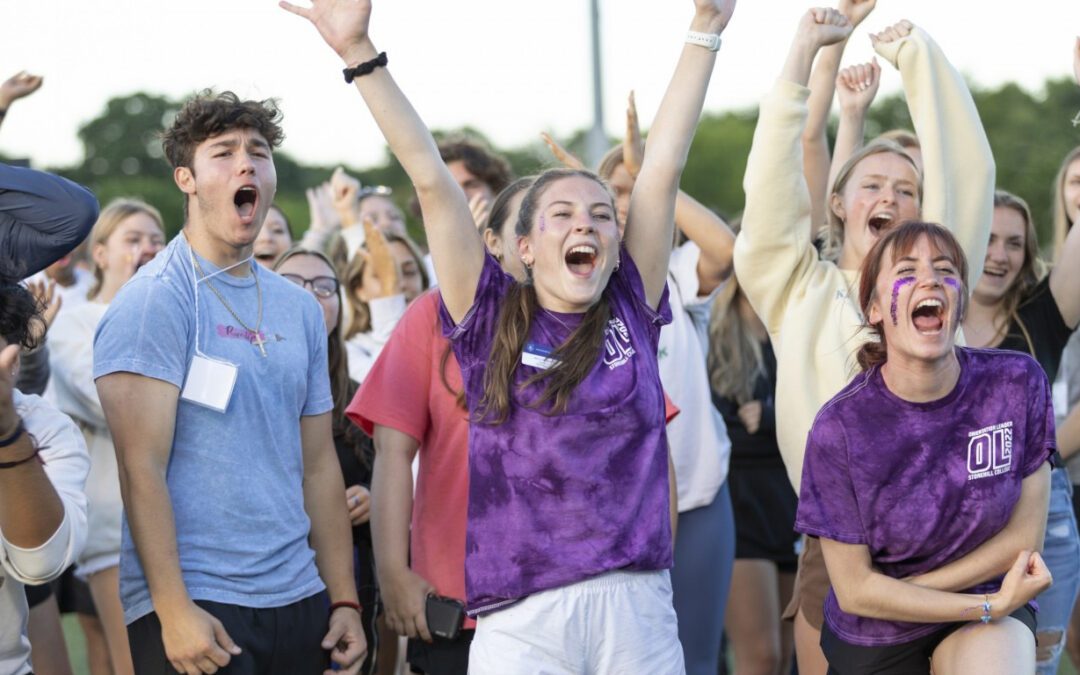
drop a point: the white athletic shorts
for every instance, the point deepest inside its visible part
(618, 622)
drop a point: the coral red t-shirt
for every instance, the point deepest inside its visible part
(405, 391)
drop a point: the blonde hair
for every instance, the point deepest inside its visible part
(116, 212)
(735, 356)
(1061, 214)
(902, 137)
(832, 237)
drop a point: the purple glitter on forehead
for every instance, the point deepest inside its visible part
(897, 285)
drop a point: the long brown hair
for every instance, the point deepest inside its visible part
(576, 356)
(341, 387)
(1061, 213)
(116, 212)
(1032, 270)
(901, 240)
(832, 237)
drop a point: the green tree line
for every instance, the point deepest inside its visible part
(1029, 132)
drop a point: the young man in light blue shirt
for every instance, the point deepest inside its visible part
(212, 373)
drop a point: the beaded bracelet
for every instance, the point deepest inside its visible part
(985, 618)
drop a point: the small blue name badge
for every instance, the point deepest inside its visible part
(538, 356)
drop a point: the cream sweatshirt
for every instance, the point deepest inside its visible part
(810, 306)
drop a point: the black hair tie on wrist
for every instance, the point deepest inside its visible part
(16, 435)
(365, 68)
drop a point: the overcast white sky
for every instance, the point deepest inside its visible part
(508, 67)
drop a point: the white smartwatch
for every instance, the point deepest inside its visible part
(710, 41)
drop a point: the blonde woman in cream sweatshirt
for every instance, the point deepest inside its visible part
(808, 302)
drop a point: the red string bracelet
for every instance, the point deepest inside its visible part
(345, 603)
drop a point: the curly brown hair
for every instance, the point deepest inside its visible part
(209, 114)
(481, 162)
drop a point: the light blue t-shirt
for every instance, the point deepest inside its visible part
(235, 478)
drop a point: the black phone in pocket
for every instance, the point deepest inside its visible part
(444, 616)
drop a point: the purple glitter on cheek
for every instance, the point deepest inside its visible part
(897, 285)
(543, 223)
(955, 283)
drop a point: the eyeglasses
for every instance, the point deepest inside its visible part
(322, 287)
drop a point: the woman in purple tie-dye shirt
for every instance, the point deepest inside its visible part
(569, 533)
(920, 471)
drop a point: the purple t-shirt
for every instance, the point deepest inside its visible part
(557, 499)
(923, 484)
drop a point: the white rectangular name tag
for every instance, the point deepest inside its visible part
(210, 383)
(538, 356)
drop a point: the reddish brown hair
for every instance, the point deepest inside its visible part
(900, 240)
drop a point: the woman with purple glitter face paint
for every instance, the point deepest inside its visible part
(807, 300)
(569, 534)
(915, 467)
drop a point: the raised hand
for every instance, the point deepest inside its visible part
(49, 301)
(567, 158)
(822, 26)
(18, 86)
(895, 32)
(345, 190)
(856, 10)
(715, 13)
(381, 261)
(343, 24)
(323, 216)
(856, 86)
(633, 146)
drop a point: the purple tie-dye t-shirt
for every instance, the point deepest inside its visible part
(557, 499)
(923, 484)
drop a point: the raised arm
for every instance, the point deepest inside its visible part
(856, 86)
(42, 218)
(17, 86)
(651, 218)
(814, 139)
(1065, 277)
(992, 558)
(958, 174)
(774, 249)
(456, 247)
(703, 227)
